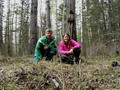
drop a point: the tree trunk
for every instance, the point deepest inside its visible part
(24, 27)
(110, 16)
(21, 28)
(26, 31)
(48, 21)
(9, 32)
(33, 26)
(81, 18)
(57, 31)
(1, 27)
(103, 16)
(63, 24)
(71, 22)
(42, 30)
(16, 38)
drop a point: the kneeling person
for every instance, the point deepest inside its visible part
(69, 50)
(45, 47)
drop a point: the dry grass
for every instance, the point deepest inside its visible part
(96, 73)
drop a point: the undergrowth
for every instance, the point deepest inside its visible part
(20, 73)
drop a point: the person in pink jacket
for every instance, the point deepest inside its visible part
(69, 50)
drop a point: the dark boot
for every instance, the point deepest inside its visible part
(50, 53)
(68, 59)
(76, 55)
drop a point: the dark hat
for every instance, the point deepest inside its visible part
(48, 30)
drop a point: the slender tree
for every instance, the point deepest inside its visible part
(48, 21)
(8, 32)
(16, 31)
(21, 28)
(42, 20)
(63, 20)
(1, 27)
(81, 18)
(57, 32)
(41, 33)
(24, 27)
(33, 26)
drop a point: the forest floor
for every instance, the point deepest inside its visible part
(91, 74)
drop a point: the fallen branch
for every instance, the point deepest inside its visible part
(52, 79)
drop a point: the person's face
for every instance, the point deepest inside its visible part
(48, 35)
(66, 38)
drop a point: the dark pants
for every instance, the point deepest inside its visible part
(49, 53)
(71, 58)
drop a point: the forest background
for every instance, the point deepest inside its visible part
(96, 25)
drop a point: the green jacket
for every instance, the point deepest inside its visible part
(40, 46)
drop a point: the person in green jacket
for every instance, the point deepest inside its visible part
(45, 47)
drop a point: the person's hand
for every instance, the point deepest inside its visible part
(71, 51)
(45, 47)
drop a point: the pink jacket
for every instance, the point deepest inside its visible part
(63, 49)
